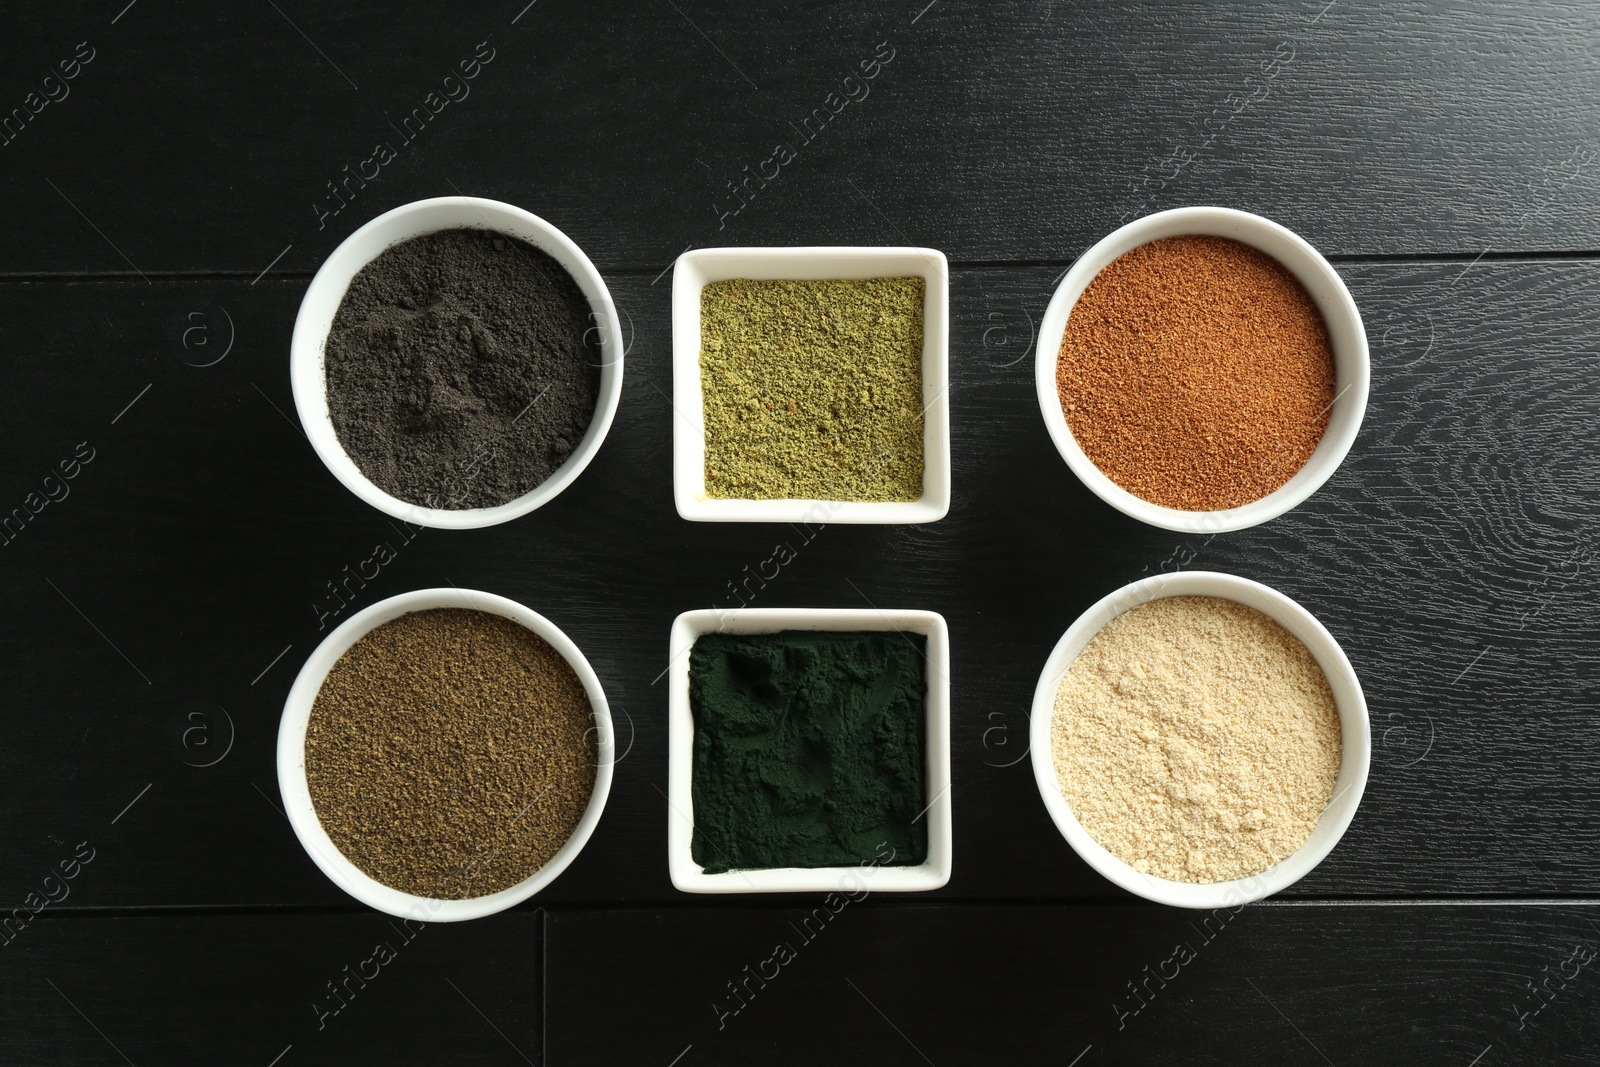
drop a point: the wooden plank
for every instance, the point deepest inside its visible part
(164, 206)
(255, 989)
(1076, 985)
(1452, 555)
(202, 139)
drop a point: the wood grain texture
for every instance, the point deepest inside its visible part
(202, 139)
(1452, 555)
(164, 213)
(254, 989)
(1075, 985)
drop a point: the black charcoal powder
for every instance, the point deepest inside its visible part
(463, 368)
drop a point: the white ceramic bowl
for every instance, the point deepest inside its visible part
(292, 763)
(1347, 696)
(691, 274)
(1352, 363)
(688, 875)
(327, 290)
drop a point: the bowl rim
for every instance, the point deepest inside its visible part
(933, 873)
(1347, 334)
(693, 269)
(308, 379)
(1354, 722)
(301, 812)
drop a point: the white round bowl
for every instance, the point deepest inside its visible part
(327, 290)
(1347, 697)
(297, 795)
(1352, 363)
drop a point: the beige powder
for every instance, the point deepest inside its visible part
(1196, 739)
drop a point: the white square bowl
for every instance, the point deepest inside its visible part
(933, 873)
(694, 270)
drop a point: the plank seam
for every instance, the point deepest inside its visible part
(1351, 258)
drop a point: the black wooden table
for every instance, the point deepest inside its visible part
(164, 207)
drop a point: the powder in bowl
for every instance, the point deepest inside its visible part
(812, 390)
(462, 369)
(1196, 372)
(450, 753)
(808, 749)
(1196, 739)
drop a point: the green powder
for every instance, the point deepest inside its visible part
(813, 389)
(808, 749)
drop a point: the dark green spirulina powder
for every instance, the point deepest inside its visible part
(808, 749)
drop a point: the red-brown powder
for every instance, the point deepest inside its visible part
(1196, 373)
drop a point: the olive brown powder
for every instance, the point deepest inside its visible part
(450, 753)
(1196, 739)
